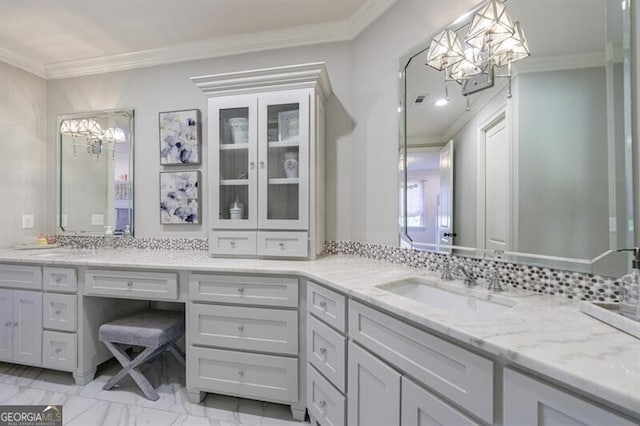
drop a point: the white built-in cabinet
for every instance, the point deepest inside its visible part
(266, 162)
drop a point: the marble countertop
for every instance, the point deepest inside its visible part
(546, 334)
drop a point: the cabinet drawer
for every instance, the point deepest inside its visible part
(60, 279)
(327, 305)
(241, 243)
(528, 401)
(253, 290)
(22, 277)
(418, 404)
(324, 402)
(243, 374)
(150, 285)
(59, 350)
(256, 329)
(284, 244)
(460, 375)
(60, 311)
(326, 351)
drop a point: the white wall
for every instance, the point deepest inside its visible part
(23, 162)
(166, 88)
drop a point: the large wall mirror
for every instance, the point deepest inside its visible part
(96, 172)
(535, 168)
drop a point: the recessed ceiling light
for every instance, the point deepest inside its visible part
(441, 102)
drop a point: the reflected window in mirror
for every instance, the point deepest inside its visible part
(96, 172)
(543, 176)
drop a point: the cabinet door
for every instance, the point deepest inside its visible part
(421, 408)
(283, 160)
(530, 402)
(374, 390)
(6, 325)
(233, 127)
(27, 332)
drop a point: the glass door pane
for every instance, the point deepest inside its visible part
(236, 166)
(283, 136)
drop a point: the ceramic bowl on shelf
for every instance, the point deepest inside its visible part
(239, 129)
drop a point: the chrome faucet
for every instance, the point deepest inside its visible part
(494, 281)
(446, 271)
(469, 278)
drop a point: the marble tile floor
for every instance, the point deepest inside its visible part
(126, 405)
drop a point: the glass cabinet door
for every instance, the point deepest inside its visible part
(234, 128)
(283, 160)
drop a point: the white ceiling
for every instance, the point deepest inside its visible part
(53, 37)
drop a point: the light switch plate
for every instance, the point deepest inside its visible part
(28, 221)
(97, 219)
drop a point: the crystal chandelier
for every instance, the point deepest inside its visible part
(93, 137)
(493, 41)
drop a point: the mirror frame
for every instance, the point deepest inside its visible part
(578, 265)
(130, 112)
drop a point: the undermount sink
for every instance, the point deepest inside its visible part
(459, 302)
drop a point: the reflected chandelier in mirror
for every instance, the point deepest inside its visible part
(95, 176)
(543, 177)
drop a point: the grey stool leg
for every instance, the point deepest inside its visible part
(130, 367)
(177, 353)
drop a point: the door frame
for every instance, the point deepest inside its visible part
(503, 112)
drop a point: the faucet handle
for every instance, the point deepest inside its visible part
(494, 280)
(446, 270)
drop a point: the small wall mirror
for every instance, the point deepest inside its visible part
(535, 168)
(95, 178)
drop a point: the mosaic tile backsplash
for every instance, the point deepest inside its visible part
(574, 285)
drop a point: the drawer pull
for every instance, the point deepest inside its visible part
(252, 165)
(15, 324)
(322, 404)
(241, 373)
(58, 311)
(8, 324)
(57, 350)
(323, 351)
(241, 290)
(241, 328)
(281, 246)
(323, 305)
(129, 284)
(232, 244)
(262, 164)
(58, 279)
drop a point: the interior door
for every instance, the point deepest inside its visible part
(496, 220)
(6, 325)
(445, 208)
(27, 332)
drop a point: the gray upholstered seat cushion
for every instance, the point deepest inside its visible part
(149, 328)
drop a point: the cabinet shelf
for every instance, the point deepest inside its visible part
(284, 144)
(284, 181)
(234, 182)
(233, 146)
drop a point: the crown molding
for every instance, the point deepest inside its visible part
(328, 32)
(367, 14)
(22, 62)
(313, 75)
(559, 63)
(223, 46)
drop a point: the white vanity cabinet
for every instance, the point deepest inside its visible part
(528, 401)
(39, 316)
(267, 134)
(327, 356)
(243, 338)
